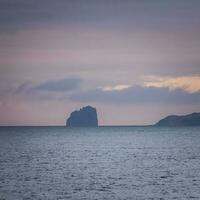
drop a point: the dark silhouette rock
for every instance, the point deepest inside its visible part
(185, 120)
(85, 117)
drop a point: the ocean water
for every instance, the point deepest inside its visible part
(99, 163)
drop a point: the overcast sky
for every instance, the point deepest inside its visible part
(135, 61)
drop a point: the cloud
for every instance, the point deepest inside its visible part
(49, 90)
(116, 87)
(178, 90)
(63, 85)
(138, 94)
(190, 84)
(23, 87)
(23, 12)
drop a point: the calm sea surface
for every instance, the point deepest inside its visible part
(99, 163)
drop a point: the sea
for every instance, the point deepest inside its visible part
(104, 163)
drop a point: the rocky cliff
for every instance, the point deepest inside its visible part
(184, 120)
(85, 117)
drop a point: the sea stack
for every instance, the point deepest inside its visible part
(85, 117)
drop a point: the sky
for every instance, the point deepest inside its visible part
(136, 61)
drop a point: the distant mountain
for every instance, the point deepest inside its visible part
(85, 117)
(184, 120)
